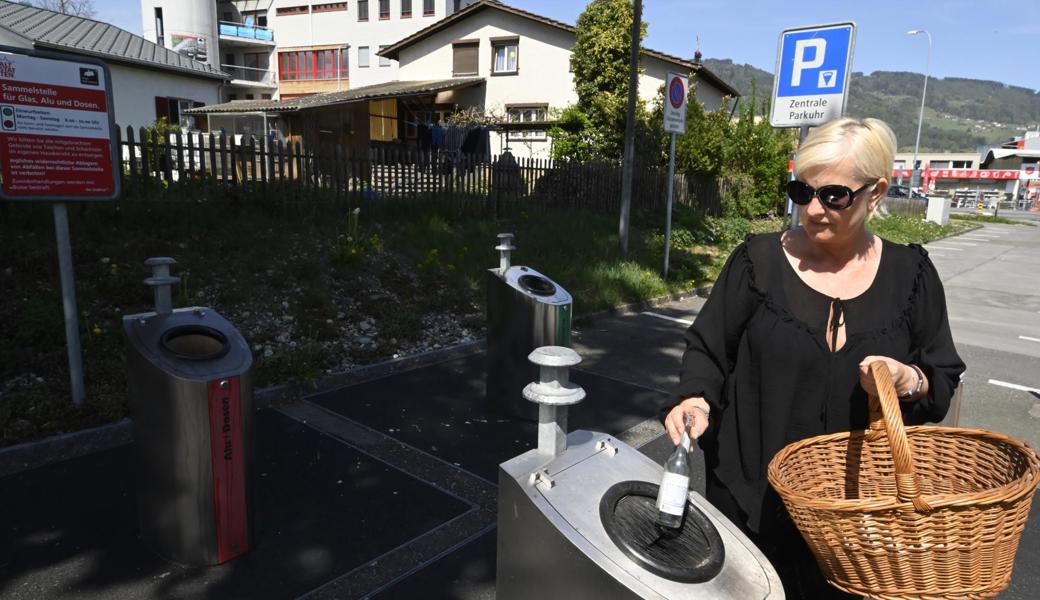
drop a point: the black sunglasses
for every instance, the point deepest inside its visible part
(834, 196)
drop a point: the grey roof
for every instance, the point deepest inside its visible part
(390, 89)
(54, 31)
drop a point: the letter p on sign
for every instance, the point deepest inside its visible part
(819, 45)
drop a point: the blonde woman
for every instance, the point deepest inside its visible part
(780, 349)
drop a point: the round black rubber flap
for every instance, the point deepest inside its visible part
(693, 554)
(195, 342)
(539, 286)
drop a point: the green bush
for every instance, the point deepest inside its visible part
(728, 231)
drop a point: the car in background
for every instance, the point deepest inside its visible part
(904, 191)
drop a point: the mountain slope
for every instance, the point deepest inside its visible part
(960, 114)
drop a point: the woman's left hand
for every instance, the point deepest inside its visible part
(904, 377)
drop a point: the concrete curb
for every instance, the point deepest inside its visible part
(956, 233)
(637, 307)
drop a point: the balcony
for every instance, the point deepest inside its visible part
(241, 34)
(250, 76)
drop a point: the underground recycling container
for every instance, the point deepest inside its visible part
(191, 397)
(525, 310)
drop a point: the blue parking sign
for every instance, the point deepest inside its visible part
(812, 71)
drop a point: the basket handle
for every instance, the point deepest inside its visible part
(886, 416)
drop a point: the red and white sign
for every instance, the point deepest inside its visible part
(932, 174)
(55, 134)
(675, 92)
(1031, 171)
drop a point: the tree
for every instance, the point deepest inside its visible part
(747, 154)
(76, 8)
(757, 156)
(702, 149)
(599, 62)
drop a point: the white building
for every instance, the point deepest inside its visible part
(291, 48)
(488, 56)
(525, 61)
(147, 81)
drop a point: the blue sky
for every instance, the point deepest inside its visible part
(997, 40)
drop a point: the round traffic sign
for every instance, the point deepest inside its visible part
(676, 93)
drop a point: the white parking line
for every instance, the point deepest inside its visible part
(1028, 339)
(1015, 386)
(945, 248)
(961, 243)
(935, 254)
(976, 237)
(667, 318)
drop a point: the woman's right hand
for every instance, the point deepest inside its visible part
(698, 410)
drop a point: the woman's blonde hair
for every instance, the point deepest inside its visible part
(869, 143)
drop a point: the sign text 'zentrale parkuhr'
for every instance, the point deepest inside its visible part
(55, 131)
(812, 75)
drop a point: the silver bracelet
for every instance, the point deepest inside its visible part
(920, 384)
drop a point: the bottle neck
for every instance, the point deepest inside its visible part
(685, 441)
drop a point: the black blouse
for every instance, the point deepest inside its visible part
(757, 353)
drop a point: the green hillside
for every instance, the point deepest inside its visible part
(960, 114)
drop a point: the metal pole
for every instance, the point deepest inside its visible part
(630, 128)
(915, 175)
(68, 301)
(668, 213)
(792, 208)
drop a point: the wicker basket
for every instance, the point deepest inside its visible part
(922, 513)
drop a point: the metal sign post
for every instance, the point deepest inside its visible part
(58, 144)
(813, 67)
(676, 92)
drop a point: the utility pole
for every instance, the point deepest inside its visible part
(630, 128)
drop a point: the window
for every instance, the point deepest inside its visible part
(257, 65)
(330, 7)
(292, 10)
(504, 53)
(249, 97)
(172, 109)
(232, 97)
(527, 114)
(362, 10)
(265, 96)
(384, 9)
(362, 57)
(258, 18)
(427, 8)
(465, 57)
(383, 61)
(159, 34)
(962, 164)
(406, 9)
(308, 65)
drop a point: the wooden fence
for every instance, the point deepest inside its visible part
(180, 165)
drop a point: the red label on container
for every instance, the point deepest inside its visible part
(229, 473)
